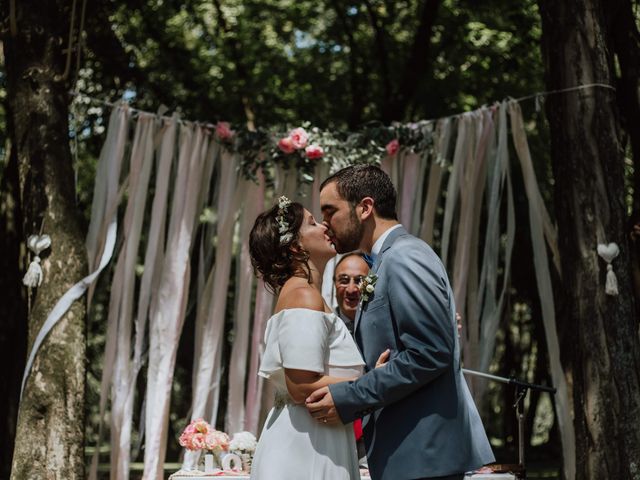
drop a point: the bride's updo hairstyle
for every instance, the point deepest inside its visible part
(274, 246)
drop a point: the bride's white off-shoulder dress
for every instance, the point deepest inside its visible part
(293, 445)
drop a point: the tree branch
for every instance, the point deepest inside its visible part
(234, 47)
(356, 80)
(380, 52)
(416, 64)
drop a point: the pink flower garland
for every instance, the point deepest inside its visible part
(224, 132)
(392, 147)
(298, 139)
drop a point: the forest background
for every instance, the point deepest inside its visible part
(278, 64)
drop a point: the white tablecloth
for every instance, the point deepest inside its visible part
(477, 476)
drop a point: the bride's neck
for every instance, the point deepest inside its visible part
(316, 272)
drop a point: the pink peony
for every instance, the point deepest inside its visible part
(286, 145)
(393, 146)
(216, 440)
(201, 426)
(198, 441)
(299, 138)
(223, 131)
(314, 151)
(193, 436)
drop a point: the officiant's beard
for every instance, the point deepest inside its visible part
(348, 238)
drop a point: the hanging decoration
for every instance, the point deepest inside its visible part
(608, 253)
(37, 244)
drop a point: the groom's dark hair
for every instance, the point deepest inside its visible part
(358, 181)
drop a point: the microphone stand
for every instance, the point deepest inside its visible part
(521, 392)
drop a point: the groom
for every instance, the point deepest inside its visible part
(422, 422)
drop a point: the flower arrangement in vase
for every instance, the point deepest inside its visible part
(199, 435)
(244, 445)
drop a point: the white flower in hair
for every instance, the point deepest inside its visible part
(283, 202)
(283, 225)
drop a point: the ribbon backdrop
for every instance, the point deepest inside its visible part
(185, 190)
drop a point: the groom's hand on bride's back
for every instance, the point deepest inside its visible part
(321, 407)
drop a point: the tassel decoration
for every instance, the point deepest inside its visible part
(37, 244)
(611, 285)
(608, 253)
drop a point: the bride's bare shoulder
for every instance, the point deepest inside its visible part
(300, 296)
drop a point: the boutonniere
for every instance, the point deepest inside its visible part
(367, 286)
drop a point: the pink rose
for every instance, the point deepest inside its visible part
(223, 131)
(198, 441)
(314, 151)
(286, 145)
(393, 146)
(299, 138)
(216, 440)
(201, 426)
(185, 440)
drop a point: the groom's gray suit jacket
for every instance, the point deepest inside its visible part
(422, 420)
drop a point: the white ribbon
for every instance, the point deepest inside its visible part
(472, 182)
(67, 299)
(168, 305)
(235, 420)
(441, 153)
(462, 150)
(491, 313)
(211, 310)
(541, 228)
(407, 189)
(121, 313)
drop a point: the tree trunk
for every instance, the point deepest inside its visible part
(49, 437)
(587, 159)
(13, 309)
(626, 42)
(416, 64)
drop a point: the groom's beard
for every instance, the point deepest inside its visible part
(348, 239)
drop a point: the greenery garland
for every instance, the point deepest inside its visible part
(302, 147)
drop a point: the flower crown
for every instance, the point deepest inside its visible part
(283, 225)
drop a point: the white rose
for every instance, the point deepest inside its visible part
(243, 441)
(369, 288)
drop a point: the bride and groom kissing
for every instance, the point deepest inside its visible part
(419, 419)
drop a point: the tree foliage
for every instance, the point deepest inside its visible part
(338, 65)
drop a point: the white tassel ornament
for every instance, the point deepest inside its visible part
(608, 253)
(37, 244)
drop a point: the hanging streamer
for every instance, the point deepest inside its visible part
(168, 305)
(542, 230)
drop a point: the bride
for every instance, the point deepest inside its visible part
(307, 347)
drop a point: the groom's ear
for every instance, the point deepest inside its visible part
(366, 208)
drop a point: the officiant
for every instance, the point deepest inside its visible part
(349, 271)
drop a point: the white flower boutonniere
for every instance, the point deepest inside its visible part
(367, 286)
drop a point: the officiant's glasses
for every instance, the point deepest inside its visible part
(345, 280)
